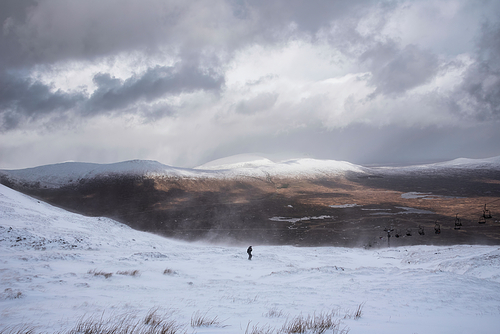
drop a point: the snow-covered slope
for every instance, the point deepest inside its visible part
(456, 164)
(237, 161)
(251, 165)
(53, 268)
(71, 172)
(233, 167)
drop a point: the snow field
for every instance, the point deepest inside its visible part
(49, 258)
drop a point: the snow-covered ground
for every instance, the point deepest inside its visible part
(48, 258)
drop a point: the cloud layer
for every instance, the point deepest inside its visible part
(183, 82)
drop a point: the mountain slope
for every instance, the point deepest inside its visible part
(248, 199)
(58, 267)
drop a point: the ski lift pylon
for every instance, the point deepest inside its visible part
(421, 230)
(458, 223)
(437, 228)
(486, 213)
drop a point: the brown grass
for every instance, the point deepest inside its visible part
(129, 272)
(96, 272)
(202, 320)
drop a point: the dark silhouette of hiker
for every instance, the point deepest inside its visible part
(249, 251)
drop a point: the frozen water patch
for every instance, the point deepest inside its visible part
(294, 220)
(344, 206)
(419, 195)
(405, 212)
(414, 194)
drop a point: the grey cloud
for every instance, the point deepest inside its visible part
(55, 30)
(12, 13)
(23, 100)
(367, 145)
(396, 71)
(480, 89)
(157, 82)
(309, 16)
(257, 104)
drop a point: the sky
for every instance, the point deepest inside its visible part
(187, 82)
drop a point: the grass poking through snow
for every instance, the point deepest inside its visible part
(156, 323)
(129, 272)
(202, 320)
(96, 272)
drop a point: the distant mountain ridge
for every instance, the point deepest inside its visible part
(57, 175)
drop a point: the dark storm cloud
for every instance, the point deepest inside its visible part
(22, 100)
(46, 31)
(157, 82)
(12, 12)
(481, 86)
(51, 30)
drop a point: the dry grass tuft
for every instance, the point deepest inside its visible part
(315, 324)
(274, 313)
(201, 320)
(154, 323)
(168, 271)
(129, 273)
(23, 329)
(127, 324)
(152, 317)
(11, 294)
(96, 272)
(356, 314)
(259, 330)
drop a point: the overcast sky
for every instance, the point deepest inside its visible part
(186, 82)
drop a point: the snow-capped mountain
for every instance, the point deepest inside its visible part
(58, 175)
(59, 269)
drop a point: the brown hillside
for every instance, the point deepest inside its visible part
(352, 210)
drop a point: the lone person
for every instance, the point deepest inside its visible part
(249, 251)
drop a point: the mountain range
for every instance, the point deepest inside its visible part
(248, 198)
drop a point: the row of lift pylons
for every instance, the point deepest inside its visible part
(458, 223)
(437, 227)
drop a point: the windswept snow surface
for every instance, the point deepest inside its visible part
(46, 254)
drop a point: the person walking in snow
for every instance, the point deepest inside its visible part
(249, 251)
